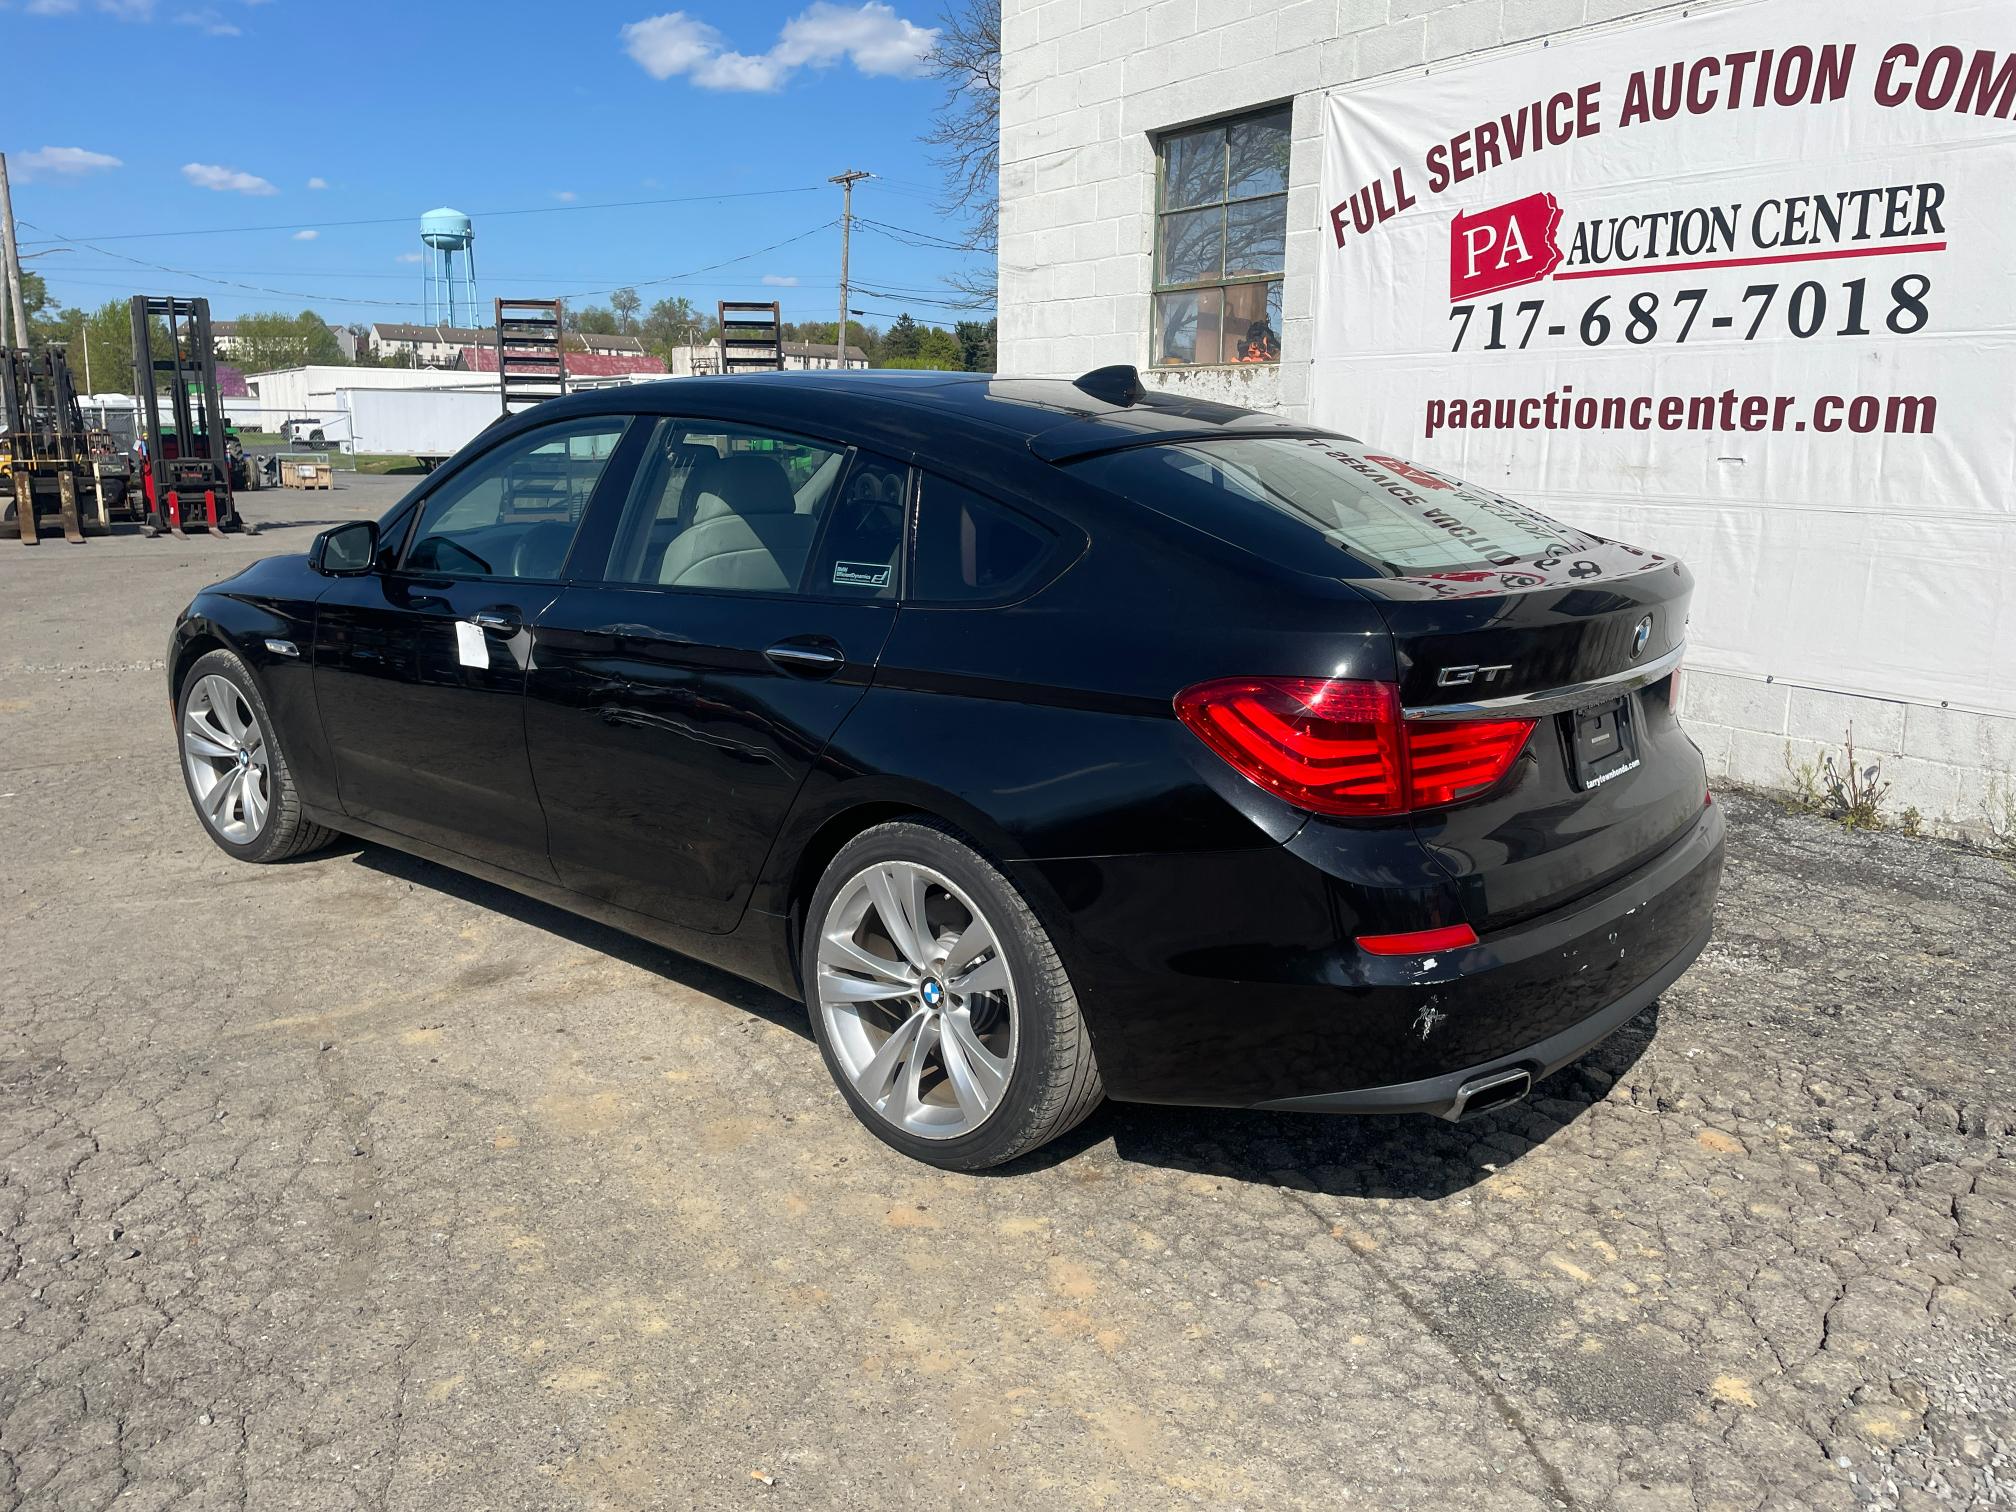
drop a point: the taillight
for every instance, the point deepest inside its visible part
(1335, 746)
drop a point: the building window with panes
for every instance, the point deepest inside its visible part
(1221, 231)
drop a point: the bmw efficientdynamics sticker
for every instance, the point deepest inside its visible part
(862, 574)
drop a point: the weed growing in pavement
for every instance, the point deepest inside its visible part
(1840, 788)
(1854, 792)
(2000, 811)
(1805, 779)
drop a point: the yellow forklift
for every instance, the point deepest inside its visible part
(45, 452)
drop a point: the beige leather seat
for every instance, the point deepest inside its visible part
(745, 533)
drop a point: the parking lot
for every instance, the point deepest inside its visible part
(357, 1183)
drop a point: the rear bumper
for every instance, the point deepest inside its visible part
(1455, 1094)
(1233, 980)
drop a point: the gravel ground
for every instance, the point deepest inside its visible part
(354, 1183)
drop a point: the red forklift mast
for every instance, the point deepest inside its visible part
(186, 474)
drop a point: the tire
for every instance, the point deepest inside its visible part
(855, 975)
(210, 728)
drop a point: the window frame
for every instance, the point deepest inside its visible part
(419, 502)
(1158, 285)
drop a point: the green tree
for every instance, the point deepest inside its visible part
(671, 323)
(271, 339)
(108, 334)
(905, 339)
(625, 304)
(592, 319)
(976, 345)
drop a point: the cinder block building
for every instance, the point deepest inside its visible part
(1724, 280)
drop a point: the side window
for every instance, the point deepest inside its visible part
(864, 532)
(725, 507)
(970, 548)
(512, 512)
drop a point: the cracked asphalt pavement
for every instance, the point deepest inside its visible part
(354, 1183)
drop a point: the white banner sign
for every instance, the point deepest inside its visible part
(1739, 285)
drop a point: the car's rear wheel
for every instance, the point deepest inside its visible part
(939, 1002)
(235, 768)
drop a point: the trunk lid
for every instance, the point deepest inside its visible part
(1585, 642)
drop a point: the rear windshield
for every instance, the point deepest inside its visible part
(1394, 518)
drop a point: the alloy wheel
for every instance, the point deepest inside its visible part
(917, 1000)
(224, 750)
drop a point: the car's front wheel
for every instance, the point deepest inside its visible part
(939, 1002)
(235, 768)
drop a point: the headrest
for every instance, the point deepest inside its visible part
(743, 483)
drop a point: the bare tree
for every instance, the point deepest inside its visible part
(966, 131)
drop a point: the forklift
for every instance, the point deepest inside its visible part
(45, 451)
(184, 464)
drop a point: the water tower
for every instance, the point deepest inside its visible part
(450, 239)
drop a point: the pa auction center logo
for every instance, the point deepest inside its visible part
(1503, 247)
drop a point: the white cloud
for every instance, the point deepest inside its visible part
(874, 36)
(565, 196)
(871, 36)
(670, 44)
(407, 257)
(780, 280)
(128, 10)
(213, 24)
(51, 7)
(306, 235)
(225, 180)
(758, 74)
(318, 183)
(60, 162)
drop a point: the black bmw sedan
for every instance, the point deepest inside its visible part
(1049, 740)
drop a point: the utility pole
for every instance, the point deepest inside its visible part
(846, 181)
(17, 309)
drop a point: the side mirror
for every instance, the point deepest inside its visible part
(348, 550)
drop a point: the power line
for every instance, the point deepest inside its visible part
(324, 298)
(407, 220)
(62, 274)
(921, 238)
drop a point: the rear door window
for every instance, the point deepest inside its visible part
(863, 536)
(1395, 518)
(971, 549)
(724, 508)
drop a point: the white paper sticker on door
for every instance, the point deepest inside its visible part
(471, 649)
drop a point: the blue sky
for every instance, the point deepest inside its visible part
(326, 113)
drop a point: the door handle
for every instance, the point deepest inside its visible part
(496, 621)
(807, 656)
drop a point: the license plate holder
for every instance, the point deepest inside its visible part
(1605, 740)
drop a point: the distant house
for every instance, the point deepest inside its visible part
(442, 346)
(591, 364)
(704, 358)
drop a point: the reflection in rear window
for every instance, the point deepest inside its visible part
(1396, 518)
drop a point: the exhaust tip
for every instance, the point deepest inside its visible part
(1488, 1092)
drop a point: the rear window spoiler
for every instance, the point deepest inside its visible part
(1141, 426)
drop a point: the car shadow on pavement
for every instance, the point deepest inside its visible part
(1408, 1155)
(773, 1007)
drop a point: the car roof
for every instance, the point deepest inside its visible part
(1058, 418)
